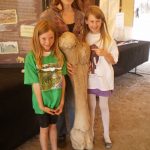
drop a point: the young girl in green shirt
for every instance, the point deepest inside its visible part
(44, 70)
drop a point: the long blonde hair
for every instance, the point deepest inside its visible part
(42, 27)
(97, 12)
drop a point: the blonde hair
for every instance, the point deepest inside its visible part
(97, 12)
(42, 27)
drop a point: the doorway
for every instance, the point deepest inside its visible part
(141, 23)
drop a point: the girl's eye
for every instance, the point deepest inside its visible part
(43, 39)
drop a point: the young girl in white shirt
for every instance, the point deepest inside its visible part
(104, 53)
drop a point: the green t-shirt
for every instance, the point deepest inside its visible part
(49, 78)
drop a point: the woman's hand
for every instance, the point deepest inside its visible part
(71, 69)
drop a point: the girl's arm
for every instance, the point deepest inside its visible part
(60, 107)
(37, 91)
(109, 58)
(102, 52)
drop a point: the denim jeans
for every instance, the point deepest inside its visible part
(66, 118)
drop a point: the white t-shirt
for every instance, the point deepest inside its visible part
(103, 78)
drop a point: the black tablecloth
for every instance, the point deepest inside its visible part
(17, 120)
(131, 55)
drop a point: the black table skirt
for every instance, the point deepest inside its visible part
(130, 56)
(17, 120)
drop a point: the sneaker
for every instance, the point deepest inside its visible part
(62, 141)
(108, 145)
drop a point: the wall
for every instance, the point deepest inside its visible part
(128, 9)
(110, 8)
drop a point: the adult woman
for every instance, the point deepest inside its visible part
(65, 16)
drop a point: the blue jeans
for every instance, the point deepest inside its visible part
(66, 118)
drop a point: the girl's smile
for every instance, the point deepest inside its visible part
(93, 23)
(47, 40)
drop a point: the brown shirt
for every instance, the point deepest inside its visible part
(54, 15)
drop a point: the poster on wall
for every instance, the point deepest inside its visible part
(17, 21)
(8, 16)
(26, 30)
(8, 47)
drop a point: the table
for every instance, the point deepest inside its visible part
(18, 122)
(131, 55)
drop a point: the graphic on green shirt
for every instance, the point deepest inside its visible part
(50, 77)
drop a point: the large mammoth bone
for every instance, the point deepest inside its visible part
(78, 54)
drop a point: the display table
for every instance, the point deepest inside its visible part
(131, 55)
(18, 122)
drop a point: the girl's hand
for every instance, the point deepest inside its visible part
(59, 109)
(48, 110)
(100, 52)
(106, 54)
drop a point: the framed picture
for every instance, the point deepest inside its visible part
(8, 47)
